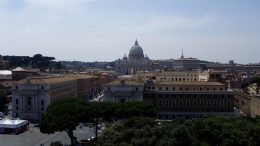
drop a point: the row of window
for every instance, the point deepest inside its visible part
(29, 103)
(180, 79)
(180, 75)
(136, 89)
(64, 84)
(193, 96)
(189, 88)
(194, 103)
(63, 92)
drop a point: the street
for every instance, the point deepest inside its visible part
(33, 137)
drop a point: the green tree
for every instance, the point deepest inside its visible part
(56, 143)
(64, 115)
(181, 136)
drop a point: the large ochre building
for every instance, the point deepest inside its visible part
(188, 98)
(136, 61)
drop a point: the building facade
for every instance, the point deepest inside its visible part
(31, 96)
(189, 99)
(87, 85)
(183, 76)
(178, 76)
(121, 91)
(247, 104)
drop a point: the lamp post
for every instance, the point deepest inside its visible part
(97, 121)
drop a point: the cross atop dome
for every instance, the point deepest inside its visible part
(136, 43)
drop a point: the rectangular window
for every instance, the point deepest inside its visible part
(173, 102)
(16, 101)
(160, 88)
(42, 102)
(222, 102)
(194, 102)
(159, 103)
(208, 102)
(136, 89)
(188, 103)
(167, 102)
(229, 104)
(29, 101)
(201, 102)
(181, 103)
(167, 88)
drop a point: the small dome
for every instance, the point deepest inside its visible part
(136, 52)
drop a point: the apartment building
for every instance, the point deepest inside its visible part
(31, 96)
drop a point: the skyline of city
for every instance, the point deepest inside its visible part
(84, 30)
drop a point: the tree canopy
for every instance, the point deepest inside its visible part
(37, 61)
(66, 114)
(63, 115)
(209, 131)
(109, 111)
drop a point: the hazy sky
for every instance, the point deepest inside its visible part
(105, 30)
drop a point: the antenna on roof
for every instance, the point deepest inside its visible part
(182, 53)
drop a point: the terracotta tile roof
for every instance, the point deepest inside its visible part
(46, 80)
(125, 82)
(81, 76)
